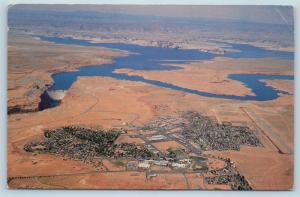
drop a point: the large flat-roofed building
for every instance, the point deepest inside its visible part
(157, 137)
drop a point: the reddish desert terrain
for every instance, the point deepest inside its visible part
(110, 103)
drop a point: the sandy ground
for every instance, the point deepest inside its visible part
(264, 169)
(107, 102)
(164, 146)
(128, 139)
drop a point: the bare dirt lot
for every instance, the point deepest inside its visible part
(164, 146)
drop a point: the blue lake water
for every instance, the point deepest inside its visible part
(156, 58)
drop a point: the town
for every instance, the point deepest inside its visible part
(93, 145)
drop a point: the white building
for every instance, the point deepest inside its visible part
(144, 165)
(150, 161)
(161, 163)
(179, 165)
(157, 137)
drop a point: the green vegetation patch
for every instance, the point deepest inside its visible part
(119, 163)
(198, 159)
(174, 153)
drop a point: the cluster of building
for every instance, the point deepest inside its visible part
(146, 164)
(211, 135)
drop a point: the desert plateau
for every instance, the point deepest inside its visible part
(145, 97)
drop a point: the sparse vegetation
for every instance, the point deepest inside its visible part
(133, 151)
(230, 176)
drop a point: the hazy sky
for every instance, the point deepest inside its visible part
(264, 14)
